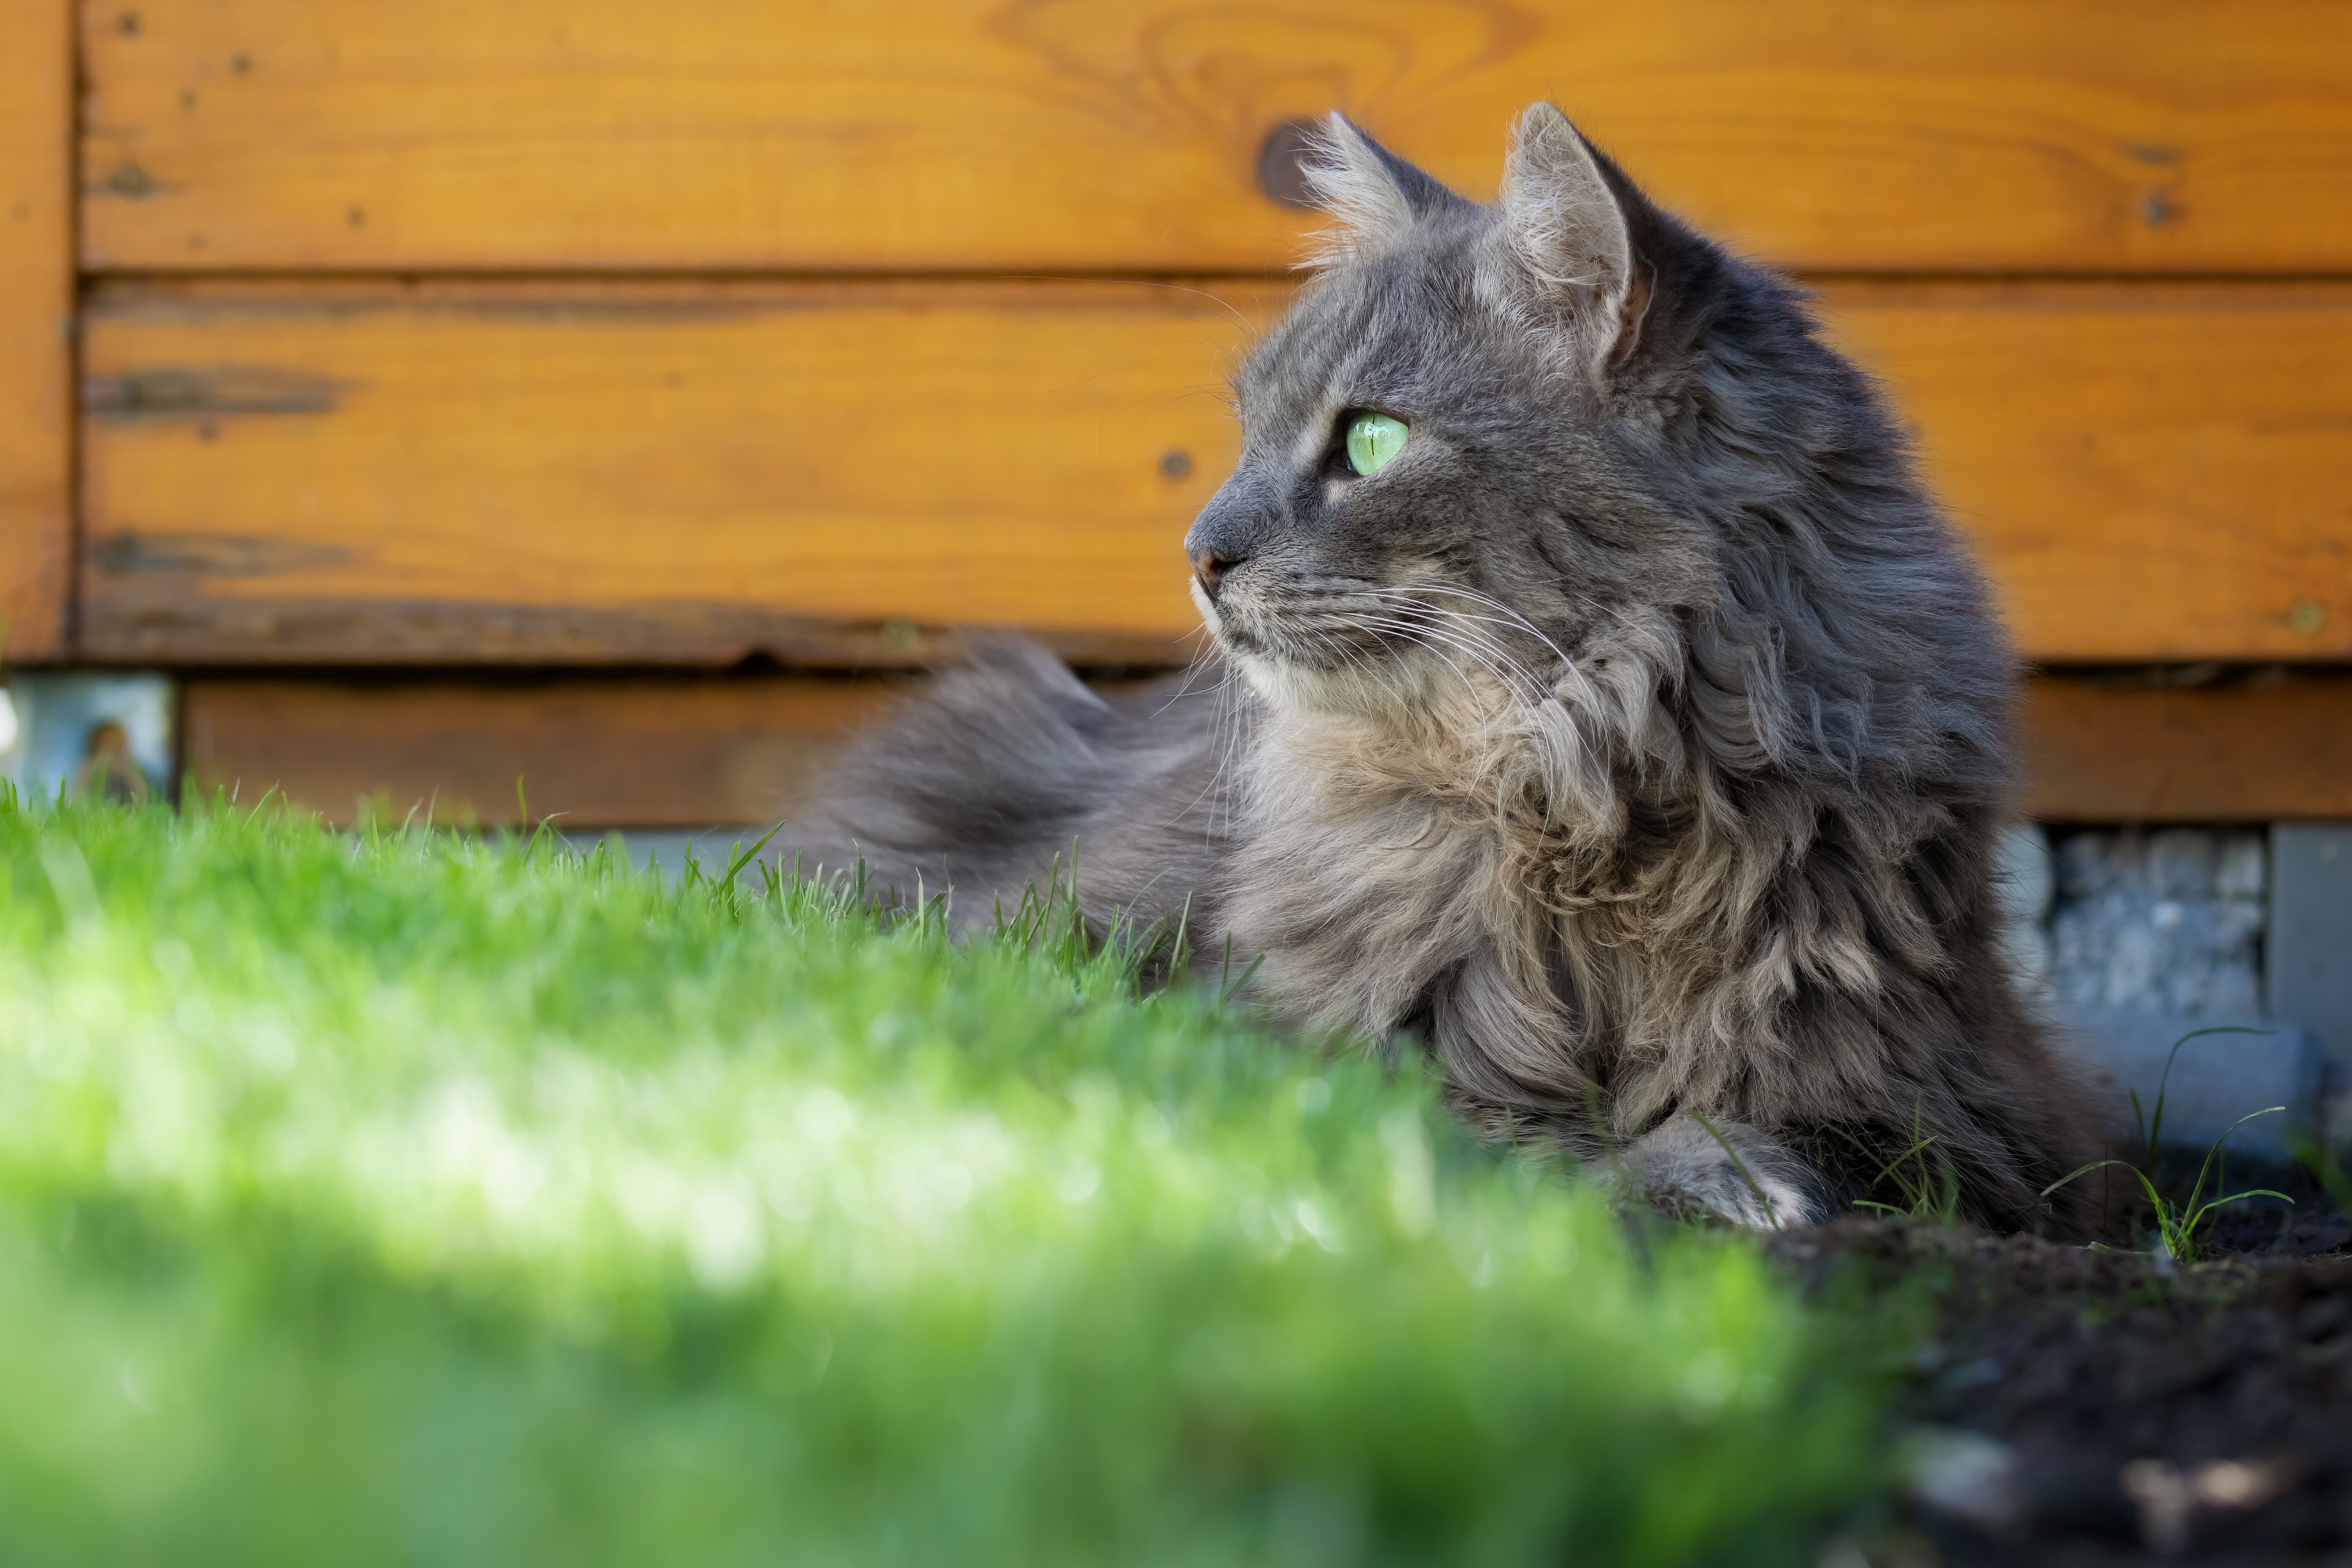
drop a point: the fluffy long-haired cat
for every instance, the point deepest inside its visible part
(1596, 698)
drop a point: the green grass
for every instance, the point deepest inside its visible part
(2180, 1224)
(420, 1200)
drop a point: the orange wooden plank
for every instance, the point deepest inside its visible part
(2277, 746)
(595, 754)
(2149, 472)
(35, 322)
(690, 473)
(933, 134)
(697, 751)
(670, 473)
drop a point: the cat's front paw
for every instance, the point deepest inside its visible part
(1733, 1173)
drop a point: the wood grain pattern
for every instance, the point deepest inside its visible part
(2149, 472)
(691, 473)
(657, 473)
(2279, 745)
(35, 316)
(598, 753)
(1055, 134)
(694, 753)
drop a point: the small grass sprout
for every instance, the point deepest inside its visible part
(2177, 1224)
(1929, 1191)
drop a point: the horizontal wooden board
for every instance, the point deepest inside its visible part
(599, 753)
(692, 473)
(2277, 745)
(944, 134)
(2149, 472)
(667, 473)
(688, 753)
(36, 318)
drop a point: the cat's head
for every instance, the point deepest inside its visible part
(1558, 445)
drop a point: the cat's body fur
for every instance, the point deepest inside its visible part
(1636, 739)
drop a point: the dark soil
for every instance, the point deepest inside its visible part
(2138, 1412)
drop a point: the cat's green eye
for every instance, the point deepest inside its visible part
(1372, 440)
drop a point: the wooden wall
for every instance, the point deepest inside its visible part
(586, 336)
(37, 314)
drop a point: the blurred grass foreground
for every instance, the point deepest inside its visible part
(419, 1199)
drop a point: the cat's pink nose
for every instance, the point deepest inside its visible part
(1209, 569)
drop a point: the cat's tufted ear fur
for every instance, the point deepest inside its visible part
(1569, 225)
(1376, 195)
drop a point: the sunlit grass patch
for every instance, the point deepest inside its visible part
(412, 1199)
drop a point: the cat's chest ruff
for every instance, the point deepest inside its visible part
(1361, 883)
(1406, 808)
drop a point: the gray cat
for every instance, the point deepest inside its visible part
(1596, 699)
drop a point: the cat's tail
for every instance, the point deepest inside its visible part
(978, 782)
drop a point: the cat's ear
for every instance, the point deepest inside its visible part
(1568, 225)
(1376, 195)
